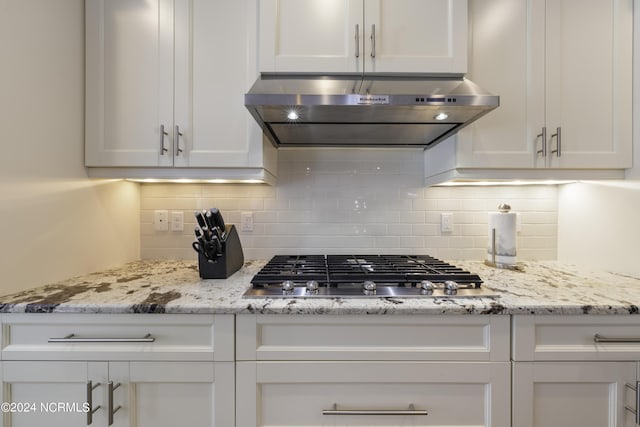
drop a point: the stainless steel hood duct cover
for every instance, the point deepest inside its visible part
(347, 111)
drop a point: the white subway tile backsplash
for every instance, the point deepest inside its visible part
(425, 204)
(367, 201)
(425, 230)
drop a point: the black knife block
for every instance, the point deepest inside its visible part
(231, 260)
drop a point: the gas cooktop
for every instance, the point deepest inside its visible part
(364, 276)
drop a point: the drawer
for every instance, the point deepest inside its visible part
(117, 337)
(292, 337)
(574, 338)
(326, 393)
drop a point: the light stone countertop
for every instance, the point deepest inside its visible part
(173, 286)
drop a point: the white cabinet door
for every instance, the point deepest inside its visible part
(310, 36)
(53, 394)
(144, 393)
(129, 82)
(576, 77)
(415, 36)
(498, 62)
(299, 393)
(169, 394)
(555, 65)
(165, 88)
(212, 45)
(588, 54)
(573, 394)
(355, 36)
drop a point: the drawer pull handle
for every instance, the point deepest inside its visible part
(600, 338)
(543, 135)
(163, 133)
(635, 411)
(112, 410)
(357, 41)
(92, 410)
(71, 338)
(410, 411)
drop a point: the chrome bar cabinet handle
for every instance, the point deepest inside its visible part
(178, 135)
(71, 338)
(92, 410)
(410, 411)
(112, 410)
(163, 133)
(373, 40)
(558, 136)
(628, 340)
(543, 134)
(357, 41)
(634, 411)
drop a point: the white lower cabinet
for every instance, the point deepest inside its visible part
(32, 391)
(372, 371)
(373, 394)
(121, 370)
(575, 371)
(573, 394)
(318, 370)
(159, 394)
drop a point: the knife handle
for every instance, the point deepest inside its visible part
(217, 219)
(202, 222)
(211, 222)
(215, 232)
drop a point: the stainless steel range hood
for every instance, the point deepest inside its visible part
(339, 111)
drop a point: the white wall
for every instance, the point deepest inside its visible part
(54, 222)
(366, 201)
(599, 226)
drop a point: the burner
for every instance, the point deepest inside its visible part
(358, 276)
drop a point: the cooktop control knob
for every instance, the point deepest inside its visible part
(450, 287)
(288, 286)
(369, 287)
(312, 287)
(427, 287)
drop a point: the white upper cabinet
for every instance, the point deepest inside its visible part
(129, 82)
(165, 88)
(563, 71)
(355, 36)
(415, 36)
(587, 81)
(310, 35)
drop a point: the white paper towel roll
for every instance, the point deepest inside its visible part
(505, 225)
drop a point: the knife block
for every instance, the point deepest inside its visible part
(231, 260)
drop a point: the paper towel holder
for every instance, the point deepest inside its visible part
(503, 208)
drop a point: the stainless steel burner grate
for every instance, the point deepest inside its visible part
(358, 276)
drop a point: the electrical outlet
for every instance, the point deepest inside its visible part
(161, 220)
(177, 221)
(446, 222)
(246, 221)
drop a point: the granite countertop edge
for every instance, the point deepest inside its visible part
(174, 287)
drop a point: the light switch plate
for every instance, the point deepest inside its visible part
(246, 221)
(177, 221)
(446, 222)
(161, 220)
